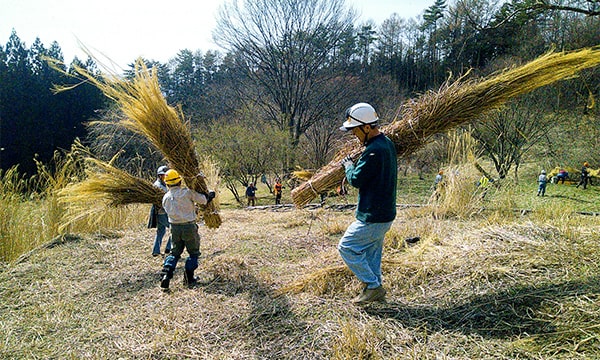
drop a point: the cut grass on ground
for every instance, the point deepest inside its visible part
(470, 289)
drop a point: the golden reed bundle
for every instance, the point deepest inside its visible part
(147, 113)
(111, 185)
(455, 103)
(105, 185)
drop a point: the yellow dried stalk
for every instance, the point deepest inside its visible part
(213, 181)
(113, 186)
(319, 282)
(105, 185)
(328, 280)
(148, 114)
(453, 104)
(303, 175)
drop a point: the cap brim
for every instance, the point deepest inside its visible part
(343, 128)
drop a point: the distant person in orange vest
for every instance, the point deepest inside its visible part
(278, 190)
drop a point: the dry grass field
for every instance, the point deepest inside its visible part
(511, 276)
(273, 287)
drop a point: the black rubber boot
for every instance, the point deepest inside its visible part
(189, 279)
(166, 279)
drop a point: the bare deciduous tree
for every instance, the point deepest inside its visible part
(245, 148)
(285, 47)
(507, 135)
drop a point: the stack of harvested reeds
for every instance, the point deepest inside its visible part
(108, 184)
(454, 104)
(147, 113)
(105, 185)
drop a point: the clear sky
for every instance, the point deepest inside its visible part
(122, 30)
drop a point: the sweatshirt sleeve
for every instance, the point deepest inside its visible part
(362, 171)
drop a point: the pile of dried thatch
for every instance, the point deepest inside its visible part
(147, 113)
(454, 104)
(109, 184)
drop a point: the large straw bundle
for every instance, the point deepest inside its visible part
(104, 186)
(111, 185)
(454, 104)
(148, 114)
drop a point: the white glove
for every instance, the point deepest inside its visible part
(347, 161)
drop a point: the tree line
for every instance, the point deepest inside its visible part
(274, 97)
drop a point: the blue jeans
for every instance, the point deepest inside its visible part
(542, 189)
(361, 248)
(162, 224)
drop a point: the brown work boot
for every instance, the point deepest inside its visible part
(370, 295)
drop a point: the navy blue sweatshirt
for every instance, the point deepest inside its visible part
(375, 175)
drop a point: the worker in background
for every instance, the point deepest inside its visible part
(180, 204)
(483, 184)
(561, 176)
(542, 181)
(437, 184)
(278, 190)
(375, 176)
(251, 194)
(438, 178)
(584, 177)
(158, 217)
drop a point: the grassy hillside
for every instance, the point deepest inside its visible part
(499, 284)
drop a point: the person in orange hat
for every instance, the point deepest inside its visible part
(585, 175)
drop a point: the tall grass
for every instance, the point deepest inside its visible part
(31, 213)
(20, 217)
(147, 113)
(457, 195)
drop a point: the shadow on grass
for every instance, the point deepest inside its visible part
(560, 196)
(275, 331)
(510, 313)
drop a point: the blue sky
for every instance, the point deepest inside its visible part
(122, 30)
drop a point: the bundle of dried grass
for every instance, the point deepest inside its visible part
(104, 186)
(148, 114)
(320, 282)
(328, 280)
(454, 104)
(105, 183)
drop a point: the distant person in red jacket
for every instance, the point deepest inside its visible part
(278, 190)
